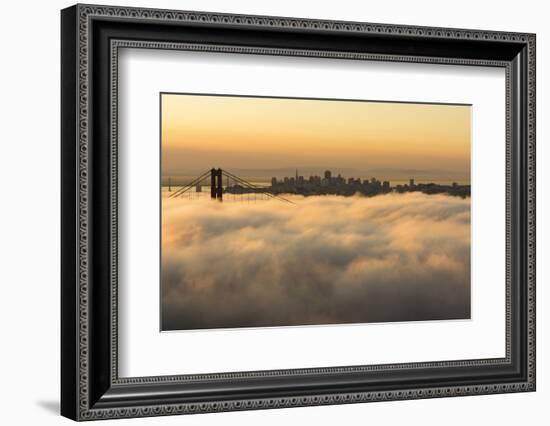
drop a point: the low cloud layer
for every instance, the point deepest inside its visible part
(325, 260)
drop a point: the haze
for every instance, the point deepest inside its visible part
(200, 132)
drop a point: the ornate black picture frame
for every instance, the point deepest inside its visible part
(90, 38)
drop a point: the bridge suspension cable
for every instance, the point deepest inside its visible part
(237, 179)
(252, 186)
(190, 185)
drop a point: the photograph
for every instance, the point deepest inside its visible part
(279, 211)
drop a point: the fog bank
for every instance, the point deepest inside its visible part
(325, 260)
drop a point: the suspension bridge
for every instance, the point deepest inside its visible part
(235, 189)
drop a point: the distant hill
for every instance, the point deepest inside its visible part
(380, 173)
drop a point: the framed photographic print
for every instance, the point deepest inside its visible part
(263, 212)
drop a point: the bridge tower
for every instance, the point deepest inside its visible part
(213, 174)
(219, 188)
(216, 187)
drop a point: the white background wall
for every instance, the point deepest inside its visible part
(29, 212)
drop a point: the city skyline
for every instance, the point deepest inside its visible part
(221, 181)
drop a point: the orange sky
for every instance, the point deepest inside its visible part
(200, 132)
